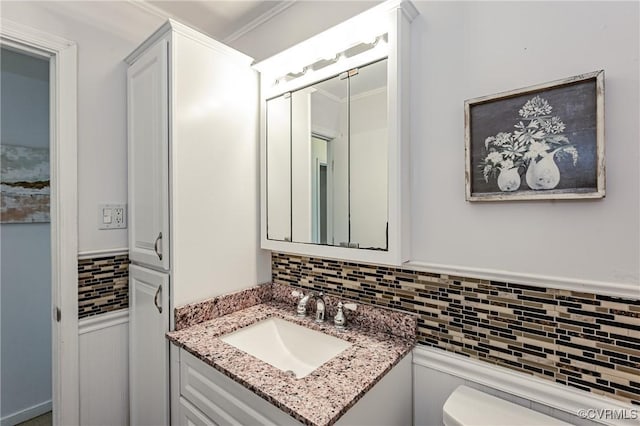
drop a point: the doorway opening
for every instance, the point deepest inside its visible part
(62, 309)
(25, 239)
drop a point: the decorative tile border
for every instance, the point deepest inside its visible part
(587, 341)
(103, 285)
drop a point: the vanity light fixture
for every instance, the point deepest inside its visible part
(380, 40)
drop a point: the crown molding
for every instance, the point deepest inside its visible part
(154, 10)
(258, 21)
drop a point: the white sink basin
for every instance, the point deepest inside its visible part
(287, 346)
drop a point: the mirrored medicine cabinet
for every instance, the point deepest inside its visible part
(334, 141)
(327, 160)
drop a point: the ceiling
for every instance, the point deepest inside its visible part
(224, 20)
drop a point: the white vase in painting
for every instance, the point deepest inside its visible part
(544, 173)
(509, 179)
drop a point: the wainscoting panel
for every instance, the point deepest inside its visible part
(104, 369)
(437, 373)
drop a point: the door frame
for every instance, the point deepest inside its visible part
(62, 56)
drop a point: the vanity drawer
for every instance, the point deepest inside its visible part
(223, 400)
(190, 415)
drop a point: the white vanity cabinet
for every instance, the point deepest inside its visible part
(208, 397)
(192, 107)
(208, 394)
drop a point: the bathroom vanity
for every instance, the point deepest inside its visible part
(331, 185)
(367, 382)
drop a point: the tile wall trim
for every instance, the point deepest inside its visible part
(101, 321)
(103, 283)
(536, 390)
(88, 254)
(624, 290)
(582, 340)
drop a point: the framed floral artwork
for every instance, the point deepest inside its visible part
(539, 142)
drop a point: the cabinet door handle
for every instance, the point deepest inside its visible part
(155, 299)
(155, 245)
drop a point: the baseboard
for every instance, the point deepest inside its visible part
(26, 414)
(550, 394)
(99, 322)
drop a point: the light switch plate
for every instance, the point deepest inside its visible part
(112, 216)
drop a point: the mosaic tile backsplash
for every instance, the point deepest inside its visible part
(587, 341)
(103, 285)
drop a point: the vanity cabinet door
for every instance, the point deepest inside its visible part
(148, 139)
(148, 347)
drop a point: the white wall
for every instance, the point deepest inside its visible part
(105, 32)
(25, 289)
(462, 50)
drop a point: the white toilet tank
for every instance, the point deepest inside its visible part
(469, 407)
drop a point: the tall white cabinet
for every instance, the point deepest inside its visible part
(192, 106)
(148, 133)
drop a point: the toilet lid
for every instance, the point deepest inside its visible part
(469, 407)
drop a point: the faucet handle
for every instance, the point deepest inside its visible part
(340, 320)
(350, 306)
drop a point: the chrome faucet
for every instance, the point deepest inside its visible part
(320, 305)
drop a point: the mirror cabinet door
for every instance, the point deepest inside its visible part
(368, 142)
(278, 116)
(319, 147)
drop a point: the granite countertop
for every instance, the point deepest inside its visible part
(323, 396)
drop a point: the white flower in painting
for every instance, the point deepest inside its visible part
(535, 107)
(527, 133)
(485, 172)
(494, 157)
(536, 149)
(488, 141)
(506, 164)
(502, 138)
(553, 126)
